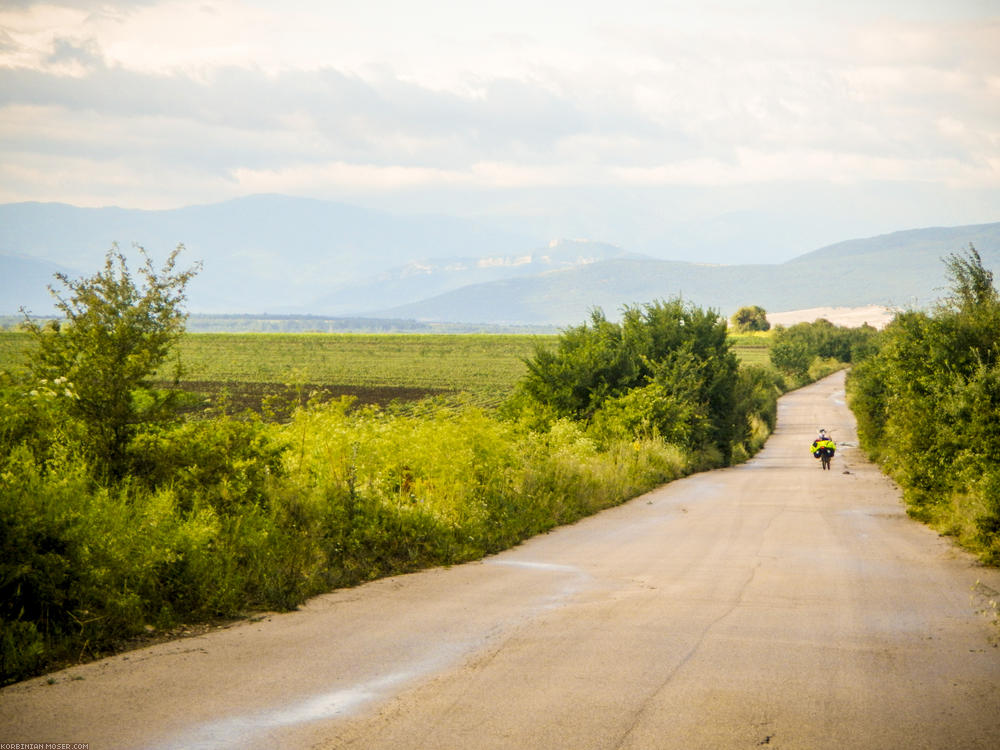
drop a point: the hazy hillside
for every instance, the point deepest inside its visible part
(24, 283)
(420, 280)
(293, 256)
(264, 253)
(903, 269)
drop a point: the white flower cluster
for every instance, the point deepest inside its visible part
(58, 388)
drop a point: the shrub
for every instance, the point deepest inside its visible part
(927, 402)
(807, 351)
(679, 351)
(752, 318)
(225, 461)
(792, 357)
(115, 336)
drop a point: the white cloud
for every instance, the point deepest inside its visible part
(178, 101)
(304, 179)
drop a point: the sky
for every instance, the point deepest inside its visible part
(643, 123)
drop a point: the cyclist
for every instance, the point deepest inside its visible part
(823, 446)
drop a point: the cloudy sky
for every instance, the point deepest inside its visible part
(625, 121)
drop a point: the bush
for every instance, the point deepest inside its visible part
(752, 318)
(926, 406)
(224, 461)
(805, 352)
(792, 357)
(680, 353)
(116, 334)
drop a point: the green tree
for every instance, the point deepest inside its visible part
(666, 368)
(972, 284)
(927, 405)
(796, 348)
(792, 356)
(115, 335)
(751, 318)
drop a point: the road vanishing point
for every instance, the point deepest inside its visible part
(770, 604)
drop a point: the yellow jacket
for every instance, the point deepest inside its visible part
(817, 444)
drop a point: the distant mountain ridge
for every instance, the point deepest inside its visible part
(901, 270)
(265, 253)
(420, 280)
(281, 255)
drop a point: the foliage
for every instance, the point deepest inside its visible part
(85, 564)
(927, 407)
(805, 350)
(226, 462)
(115, 336)
(792, 355)
(756, 400)
(752, 318)
(666, 370)
(231, 516)
(218, 515)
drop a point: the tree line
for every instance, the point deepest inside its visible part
(928, 407)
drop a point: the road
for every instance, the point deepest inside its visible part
(770, 604)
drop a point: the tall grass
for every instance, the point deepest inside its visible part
(350, 496)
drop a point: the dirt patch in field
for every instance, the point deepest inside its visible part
(278, 399)
(852, 317)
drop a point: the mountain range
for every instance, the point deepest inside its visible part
(295, 256)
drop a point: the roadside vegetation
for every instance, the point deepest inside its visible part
(130, 506)
(806, 352)
(749, 319)
(928, 408)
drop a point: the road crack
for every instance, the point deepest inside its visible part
(696, 646)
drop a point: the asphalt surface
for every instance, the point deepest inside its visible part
(771, 604)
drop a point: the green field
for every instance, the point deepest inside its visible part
(752, 348)
(375, 368)
(13, 347)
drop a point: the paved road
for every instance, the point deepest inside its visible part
(766, 605)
